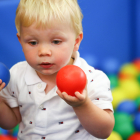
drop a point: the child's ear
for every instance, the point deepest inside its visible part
(18, 36)
(78, 41)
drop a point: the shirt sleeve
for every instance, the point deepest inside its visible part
(7, 93)
(99, 89)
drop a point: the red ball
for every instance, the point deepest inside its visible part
(3, 137)
(14, 138)
(70, 79)
(137, 64)
(135, 136)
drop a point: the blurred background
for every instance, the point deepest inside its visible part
(111, 43)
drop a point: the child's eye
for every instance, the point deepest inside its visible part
(33, 43)
(56, 41)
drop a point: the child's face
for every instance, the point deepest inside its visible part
(48, 50)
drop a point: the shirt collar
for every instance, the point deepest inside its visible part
(76, 57)
(31, 76)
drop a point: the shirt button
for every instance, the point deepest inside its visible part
(41, 107)
(39, 86)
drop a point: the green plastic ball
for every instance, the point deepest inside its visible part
(15, 131)
(137, 101)
(125, 129)
(113, 80)
(121, 117)
(138, 78)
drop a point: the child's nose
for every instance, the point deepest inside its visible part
(44, 51)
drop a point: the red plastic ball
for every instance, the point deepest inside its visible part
(70, 79)
(14, 138)
(137, 64)
(135, 136)
(3, 137)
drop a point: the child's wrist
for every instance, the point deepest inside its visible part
(83, 105)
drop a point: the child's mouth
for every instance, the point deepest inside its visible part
(46, 65)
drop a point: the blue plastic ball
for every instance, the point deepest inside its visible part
(4, 73)
(3, 131)
(128, 107)
(110, 65)
(137, 121)
(91, 60)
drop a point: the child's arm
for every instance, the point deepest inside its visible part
(9, 117)
(96, 121)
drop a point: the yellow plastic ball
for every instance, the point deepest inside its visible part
(130, 70)
(119, 95)
(114, 136)
(131, 88)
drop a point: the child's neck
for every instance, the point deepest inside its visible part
(50, 80)
(71, 61)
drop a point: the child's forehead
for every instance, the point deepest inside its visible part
(54, 24)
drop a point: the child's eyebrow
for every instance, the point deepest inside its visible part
(59, 33)
(29, 37)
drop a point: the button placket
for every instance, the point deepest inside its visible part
(39, 92)
(40, 118)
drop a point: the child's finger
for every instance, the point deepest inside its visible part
(69, 97)
(2, 86)
(59, 93)
(80, 96)
(0, 81)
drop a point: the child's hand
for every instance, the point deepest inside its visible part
(75, 101)
(2, 85)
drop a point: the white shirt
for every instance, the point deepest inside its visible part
(47, 116)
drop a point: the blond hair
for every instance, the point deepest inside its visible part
(44, 12)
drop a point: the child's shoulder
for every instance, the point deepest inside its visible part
(90, 69)
(18, 68)
(19, 65)
(17, 73)
(92, 72)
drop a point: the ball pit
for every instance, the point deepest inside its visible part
(126, 102)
